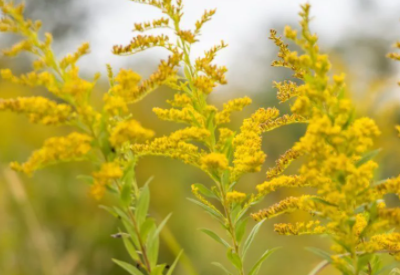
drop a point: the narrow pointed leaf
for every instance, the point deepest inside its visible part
(131, 249)
(240, 229)
(142, 206)
(209, 210)
(367, 157)
(128, 267)
(222, 267)
(162, 224)
(251, 237)
(257, 266)
(216, 237)
(171, 269)
(234, 259)
(320, 253)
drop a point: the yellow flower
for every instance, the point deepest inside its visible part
(73, 147)
(248, 156)
(300, 228)
(287, 205)
(280, 182)
(127, 86)
(235, 197)
(129, 131)
(214, 161)
(39, 110)
(108, 171)
(231, 106)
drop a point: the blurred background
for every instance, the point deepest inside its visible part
(50, 225)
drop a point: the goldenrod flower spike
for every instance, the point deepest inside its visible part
(223, 154)
(73, 147)
(129, 131)
(336, 160)
(39, 110)
(102, 137)
(300, 228)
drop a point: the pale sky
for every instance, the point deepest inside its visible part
(243, 24)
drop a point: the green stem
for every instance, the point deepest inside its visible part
(141, 243)
(231, 225)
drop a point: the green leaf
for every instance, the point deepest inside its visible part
(234, 259)
(222, 267)
(128, 267)
(236, 209)
(109, 210)
(363, 261)
(209, 210)
(146, 184)
(320, 253)
(158, 270)
(171, 269)
(129, 172)
(162, 224)
(316, 269)
(126, 194)
(147, 226)
(142, 206)
(132, 233)
(251, 237)
(122, 214)
(153, 246)
(205, 191)
(257, 266)
(240, 229)
(367, 157)
(216, 237)
(131, 249)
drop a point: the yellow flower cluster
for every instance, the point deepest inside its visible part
(175, 146)
(231, 106)
(390, 186)
(283, 162)
(248, 156)
(204, 19)
(214, 162)
(389, 243)
(337, 160)
(129, 131)
(158, 23)
(73, 147)
(286, 90)
(185, 115)
(108, 171)
(279, 182)
(39, 110)
(235, 197)
(282, 121)
(126, 86)
(140, 43)
(300, 228)
(105, 132)
(285, 206)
